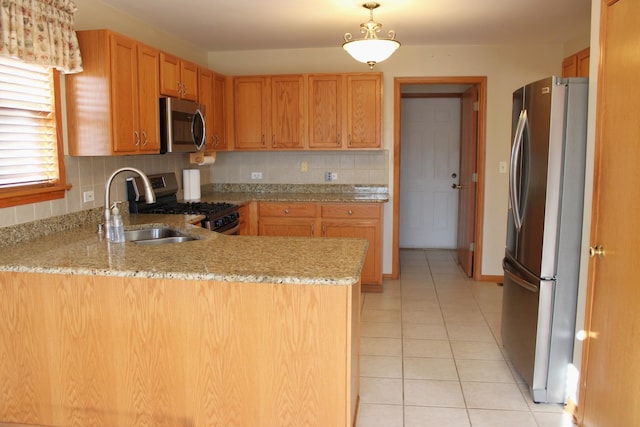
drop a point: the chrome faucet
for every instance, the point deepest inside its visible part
(149, 195)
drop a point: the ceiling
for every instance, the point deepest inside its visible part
(226, 25)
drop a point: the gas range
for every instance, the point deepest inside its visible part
(220, 217)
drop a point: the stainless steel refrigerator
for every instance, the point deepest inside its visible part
(542, 259)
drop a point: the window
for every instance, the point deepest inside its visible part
(31, 157)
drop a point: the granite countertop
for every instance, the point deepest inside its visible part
(213, 256)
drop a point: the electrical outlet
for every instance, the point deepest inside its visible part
(256, 175)
(88, 196)
(502, 167)
(334, 176)
(330, 176)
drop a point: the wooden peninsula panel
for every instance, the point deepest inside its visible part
(115, 351)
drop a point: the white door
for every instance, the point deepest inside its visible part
(430, 158)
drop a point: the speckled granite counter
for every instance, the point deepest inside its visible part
(242, 193)
(81, 251)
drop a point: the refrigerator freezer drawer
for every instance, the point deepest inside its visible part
(526, 327)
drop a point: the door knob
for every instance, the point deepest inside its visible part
(456, 186)
(596, 250)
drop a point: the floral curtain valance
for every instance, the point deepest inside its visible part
(40, 32)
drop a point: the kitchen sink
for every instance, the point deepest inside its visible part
(155, 236)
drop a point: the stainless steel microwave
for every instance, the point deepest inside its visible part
(182, 127)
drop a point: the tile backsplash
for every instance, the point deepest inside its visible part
(287, 167)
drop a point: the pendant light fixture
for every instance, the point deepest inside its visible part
(370, 49)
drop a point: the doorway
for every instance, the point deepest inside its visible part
(453, 86)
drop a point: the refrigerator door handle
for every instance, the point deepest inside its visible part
(516, 149)
(520, 281)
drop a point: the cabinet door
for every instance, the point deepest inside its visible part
(363, 229)
(149, 92)
(218, 118)
(189, 80)
(205, 98)
(364, 110)
(251, 112)
(124, 95)
(289, 227)
(325, 111)
(287, 112)
(170, 75)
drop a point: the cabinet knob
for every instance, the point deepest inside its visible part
(286, 211)
(350, 212)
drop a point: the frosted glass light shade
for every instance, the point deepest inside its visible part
(371, 51)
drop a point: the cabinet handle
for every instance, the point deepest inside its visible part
(145, 139)
(215, 140)
(137, 135)
(184, 89)
(263, 141)
(313, 230)
(273, 140)
(324, 230)
(179, 83)
(350, 212)
(286, 211)
(349, 143)
(338, 141)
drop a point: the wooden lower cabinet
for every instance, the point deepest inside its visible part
(352, 220)
(115, 351)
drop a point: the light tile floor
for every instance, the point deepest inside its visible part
(431, 353)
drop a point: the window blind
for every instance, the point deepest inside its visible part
(28, 140)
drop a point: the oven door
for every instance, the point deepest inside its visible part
(182, 126)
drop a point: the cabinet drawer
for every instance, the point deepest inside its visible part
(287, 210)
(351, 211)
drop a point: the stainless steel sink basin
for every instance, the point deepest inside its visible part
(155, 236)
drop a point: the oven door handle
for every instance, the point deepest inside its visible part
(232, 230)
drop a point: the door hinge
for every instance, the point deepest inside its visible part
(472, 246)
(474, 177)
(476, 106)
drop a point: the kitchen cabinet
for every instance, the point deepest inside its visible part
(354, 220)
(287, 219)
(576, 65)
(112, 106)
(269, 112)
(211, 96)
(325, 111)
(248, 218)
(178, 78)
(345, 111)
(362, 221)
(364, 111)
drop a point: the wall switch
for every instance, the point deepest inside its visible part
(330, 176)
(88, 196)
(502, 167)
(334, 176)
(256, 175)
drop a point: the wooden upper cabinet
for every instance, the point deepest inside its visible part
(112, 106)
(178, 78)
(287, 112)
(252, 112)
(576, 65)
(325, 111)
(364, 110)
(269, 112)
(211, 94)
(218, 131)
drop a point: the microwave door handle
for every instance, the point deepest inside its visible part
(198, 116)
(516, 149)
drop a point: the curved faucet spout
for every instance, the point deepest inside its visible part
(150, 196)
